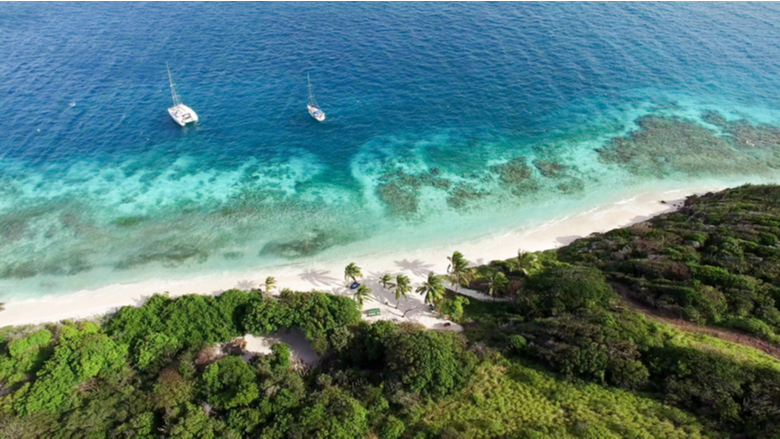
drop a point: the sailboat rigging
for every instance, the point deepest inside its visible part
(314, 109)
(181, 113)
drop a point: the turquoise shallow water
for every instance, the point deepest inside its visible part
(444, 122)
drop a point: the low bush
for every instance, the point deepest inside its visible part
(564, 288)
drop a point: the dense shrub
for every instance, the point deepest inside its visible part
(172, 389)
(262, 317)
(154, 347)
(189, 322)
(453, 307)
(25, 356)
(603, 347)
(317, 314)
(229, 382)
(393, 428)
(83, 352)
(517, 342)
(190, 421)
(702, 382)
(332, 413)
(565, 288)
(367, 347)
(428, 363)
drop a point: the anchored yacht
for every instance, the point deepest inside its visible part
(181, 113)
(314, 109)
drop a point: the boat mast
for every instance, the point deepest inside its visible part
(173, 90)
(311, 96)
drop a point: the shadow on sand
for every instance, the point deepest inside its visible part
(416, 267)
(300, 348)
(566, 240)
(246, 285)
(320, 278)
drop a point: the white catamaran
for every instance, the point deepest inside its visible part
(181, 113)
(314, 109)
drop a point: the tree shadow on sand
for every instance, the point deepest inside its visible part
(411, 310)
(416, 267)
(319, 278)
(566, 240)
(406, 309)
(245, 285)
(141, 300)
(380, 295)
(374, 298)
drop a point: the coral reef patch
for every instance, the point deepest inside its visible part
(666, 145)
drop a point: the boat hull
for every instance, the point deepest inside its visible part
(316, 113)
(183, 114)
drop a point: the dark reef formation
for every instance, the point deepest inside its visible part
(667, 145)
(316, 242)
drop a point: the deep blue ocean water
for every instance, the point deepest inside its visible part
(425, 102)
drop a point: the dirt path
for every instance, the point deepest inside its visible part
(723, 333)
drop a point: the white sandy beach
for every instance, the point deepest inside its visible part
(328, 277)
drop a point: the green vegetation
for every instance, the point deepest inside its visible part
(516, 401)
(432, 289)
(497, 283)
(715, 261)
(352, 272)
(269, 284)
(560, 355)
(362, 293)
(386, 281)
(402, 287)
(229, 382)
(458, 271)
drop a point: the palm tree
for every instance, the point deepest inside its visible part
(458, 272)
(353, 272)
(362, 293)
(270, 284)
(528, 263)
(387, 281)
(432, 289)
(497, 283)
(402, 288)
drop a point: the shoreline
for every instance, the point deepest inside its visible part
(328, 276)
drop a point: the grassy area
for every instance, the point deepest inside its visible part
(745, 355)
(517, 401)
(489, 322)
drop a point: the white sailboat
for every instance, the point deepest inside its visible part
(181, 113)
(314, 109)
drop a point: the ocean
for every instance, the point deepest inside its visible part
(445, 122)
